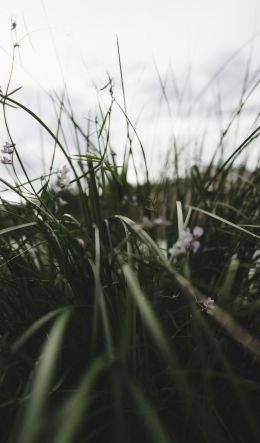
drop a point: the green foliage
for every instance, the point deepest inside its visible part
(104, 335)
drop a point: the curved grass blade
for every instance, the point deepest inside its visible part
(17, 227)
(148, 414)
(221, 219)
(158, 335)
(42, 383)
(75, 408)
(148, 315)
(35, 327)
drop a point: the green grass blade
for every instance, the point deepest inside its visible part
(16, 228)
(223, 220)
(42, 383)
(230, 275)
(148, 415)
(34, 328)
(180, 219)
(74, 410)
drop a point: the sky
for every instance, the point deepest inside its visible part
(199, 50)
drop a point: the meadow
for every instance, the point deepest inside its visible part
(128, 311)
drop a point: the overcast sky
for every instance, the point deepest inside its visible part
(183, 41)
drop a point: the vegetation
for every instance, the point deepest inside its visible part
(111, 330)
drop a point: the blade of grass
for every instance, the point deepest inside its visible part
(223, 220)
(42, 383)
(74, 410)
(148, 415)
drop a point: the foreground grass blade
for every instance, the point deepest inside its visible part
(227, 222)
(16, 228)
(158, 335)
(42, 383)
(147, 413)
(74, 410)
(224, 295)
(148, 315)
(34, 328)
(180, 219)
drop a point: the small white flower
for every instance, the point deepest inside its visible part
(7, 148)
(64, 182)
(198, 231)
(63, 179)
(187, 242)
(177, 249)
(187, 237)
(6, 160)
(63, 172)
(195, 245)
(209, 305)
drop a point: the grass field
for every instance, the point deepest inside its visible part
(128, 312)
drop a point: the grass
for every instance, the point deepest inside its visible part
(105, 337)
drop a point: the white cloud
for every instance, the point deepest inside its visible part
(76, 41)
